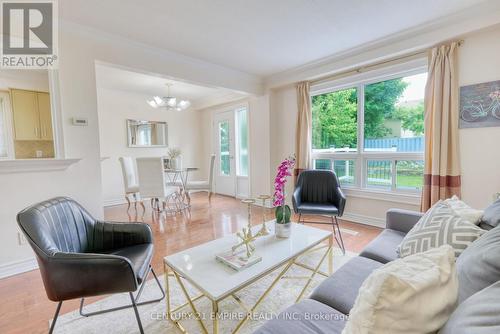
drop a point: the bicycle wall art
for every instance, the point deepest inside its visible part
(480, 105)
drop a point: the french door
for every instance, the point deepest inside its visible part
(225, 167)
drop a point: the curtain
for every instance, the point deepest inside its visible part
(304, 129)
(442, 165)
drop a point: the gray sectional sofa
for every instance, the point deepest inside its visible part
(326, 308)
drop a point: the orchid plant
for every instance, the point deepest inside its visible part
(283, 211)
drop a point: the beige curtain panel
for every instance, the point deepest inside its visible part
(304, 128)
(442, 165)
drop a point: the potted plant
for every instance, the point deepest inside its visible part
(282, 212)
(174, 157)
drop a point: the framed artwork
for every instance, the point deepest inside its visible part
(480, 105)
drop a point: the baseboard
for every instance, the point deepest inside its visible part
(362, 219)
(114, 201)
(17, 267)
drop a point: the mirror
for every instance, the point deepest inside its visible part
(146, 133)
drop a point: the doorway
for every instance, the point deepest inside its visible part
(225, 171)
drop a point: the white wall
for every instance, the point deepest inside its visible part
(479, 59)
(22, 79)
(114, 108)
(80, 48)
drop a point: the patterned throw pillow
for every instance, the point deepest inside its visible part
(439, 226)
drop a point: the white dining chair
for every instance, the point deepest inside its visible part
(153, 184)
(205, 185)
(130, 181)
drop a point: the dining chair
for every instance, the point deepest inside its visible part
(318, 192)
(130, 181)
(204, 185)
(153, 184)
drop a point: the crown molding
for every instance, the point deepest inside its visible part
(227, 77)
(416, 39)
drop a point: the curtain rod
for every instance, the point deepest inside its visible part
(365, 68)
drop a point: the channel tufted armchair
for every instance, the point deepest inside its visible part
(318, 192)
(80, 256)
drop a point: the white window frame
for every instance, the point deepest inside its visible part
(237, 141)
(7, 125)
(361, 157)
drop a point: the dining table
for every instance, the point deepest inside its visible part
(179, 177)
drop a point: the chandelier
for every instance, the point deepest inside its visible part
(169, 102)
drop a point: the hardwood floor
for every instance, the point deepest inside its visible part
(24, 307)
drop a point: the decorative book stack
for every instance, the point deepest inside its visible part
(237, 260)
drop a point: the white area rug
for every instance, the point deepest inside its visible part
(153, 315)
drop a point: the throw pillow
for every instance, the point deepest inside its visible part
(492, 214)
(439, 226)
(479, 265)
(477, 315)
(415, 294)
(460, 208)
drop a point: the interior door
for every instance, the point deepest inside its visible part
(225, 167)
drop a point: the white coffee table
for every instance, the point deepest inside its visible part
(216, 281)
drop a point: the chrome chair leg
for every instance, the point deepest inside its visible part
(139, 323)
(56, 315)
(83, 314)
(338, 237)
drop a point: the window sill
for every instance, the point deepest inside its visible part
(35, 165)
(388, 196)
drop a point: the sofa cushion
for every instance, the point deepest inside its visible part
(415, 294)
(317, 208)
(340, 290)
(440, 226)
(384, 247)
(479, 265)
(306, 317)
(491, 214)
(478, 314)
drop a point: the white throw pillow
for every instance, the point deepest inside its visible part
(412, 295)
(439, 226)
(460, 208)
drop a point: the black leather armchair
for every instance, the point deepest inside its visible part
(80, 256)
(318, 192)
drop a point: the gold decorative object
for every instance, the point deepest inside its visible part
(264, 230)
(245, 235)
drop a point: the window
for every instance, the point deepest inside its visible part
(224, 163)
(242, 141)
(372, 133)
(335, 121)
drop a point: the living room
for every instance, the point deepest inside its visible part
(307, 75)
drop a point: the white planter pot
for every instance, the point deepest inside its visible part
(176, 163)
(283, 230)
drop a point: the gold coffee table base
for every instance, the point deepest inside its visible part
(169, 272)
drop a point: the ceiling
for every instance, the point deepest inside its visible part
(129, 81)
(259, 37)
